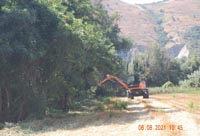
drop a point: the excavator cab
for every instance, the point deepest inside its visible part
(135, 81)
(137, 88)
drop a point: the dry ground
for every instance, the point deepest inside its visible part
(138, 23)
(166, 115)
(134, 22)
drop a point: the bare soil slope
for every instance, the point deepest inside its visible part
(134, 22)
(139, 22)
(178, 17)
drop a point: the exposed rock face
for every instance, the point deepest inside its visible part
(184, 52)
(175, 50)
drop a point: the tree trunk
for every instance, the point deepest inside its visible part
(65, 102)
(1, 102)
(8, 100)
(5, 104)
(21, 110)
(1, 107)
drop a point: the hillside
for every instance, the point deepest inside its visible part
(178, 16)
(164, 23)
(134, 22)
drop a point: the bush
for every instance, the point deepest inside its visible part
(99, 107)
(167, 84)
(191, 105)
(1, 126)
(76, 106)
(106, 100)
(120, 105)
(192, 81)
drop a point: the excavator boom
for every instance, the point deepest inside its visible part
(137, 90)
(142, 85)
(110, 77)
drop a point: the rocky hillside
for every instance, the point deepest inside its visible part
(164, 23)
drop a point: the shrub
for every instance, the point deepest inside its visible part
(192, 81)
(106, 100)
(1, 126)
(191, 105)
(111, 114)
(99, 107)
(168, 84)
(120, 105)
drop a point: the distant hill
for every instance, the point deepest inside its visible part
(164, 23)
(134, 22)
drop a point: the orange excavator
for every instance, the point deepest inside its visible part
(137, 89)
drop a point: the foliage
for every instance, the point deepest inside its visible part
(23, 47)
(193, 80)
(106, 100)
(162, 36)
(167, 84)
(191, 105)
(120, 105)
(99, 107)
(52, 53)
(188, 66)
(1, 126)
(156, 67)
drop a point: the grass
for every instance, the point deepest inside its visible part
(174, 90)
(99, 107)
(107, 100)
(105, 109)
(193, 106)
(120, 105)
(191, 91)
(108, 104)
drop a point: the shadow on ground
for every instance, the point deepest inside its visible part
(78, 120)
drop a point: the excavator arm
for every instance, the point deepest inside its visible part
(139, 90)
(142, 85)
(110, 77)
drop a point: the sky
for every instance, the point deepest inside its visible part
(140, 1)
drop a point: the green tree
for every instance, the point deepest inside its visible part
(51, 53)
(193, 80)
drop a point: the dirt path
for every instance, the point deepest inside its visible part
(167, 120)
(143, 117)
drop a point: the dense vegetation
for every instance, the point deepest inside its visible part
(193, 80)
(51, 53)
(156, 67)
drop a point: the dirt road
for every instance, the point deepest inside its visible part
(143, 117)
(165, 120)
